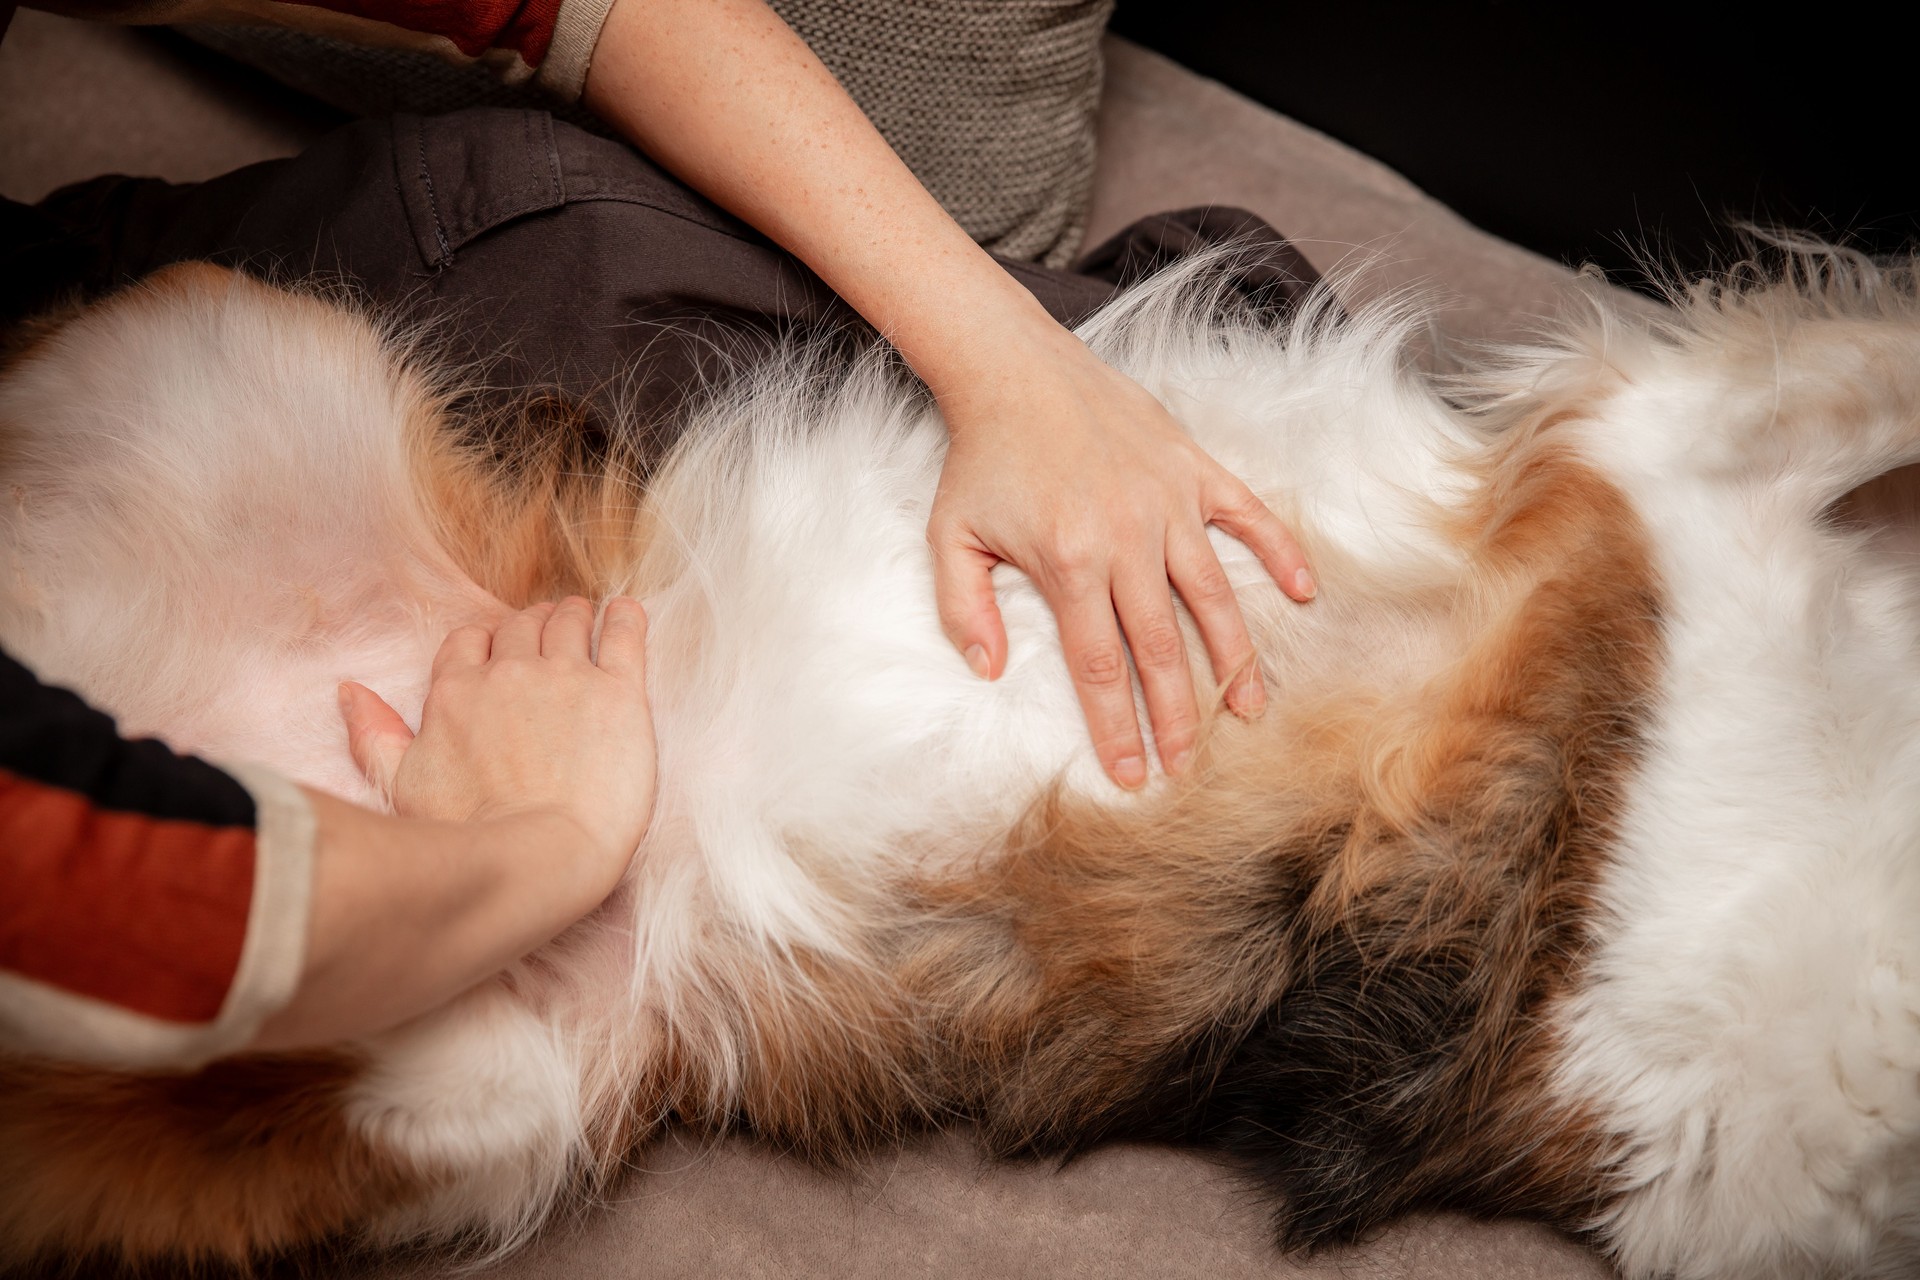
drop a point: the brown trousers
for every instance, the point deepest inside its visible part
(562, 259)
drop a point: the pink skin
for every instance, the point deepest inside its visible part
(517, 809)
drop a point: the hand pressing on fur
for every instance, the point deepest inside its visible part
(1074, 473)
(518, 807)
(523, 719)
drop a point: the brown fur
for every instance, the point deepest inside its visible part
(830, 1070)
(532, 502)
(1445, 834)
(247, 1157)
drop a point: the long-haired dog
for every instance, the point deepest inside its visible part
(1573, 871)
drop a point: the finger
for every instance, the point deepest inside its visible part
(1247, 518)
(1097, 661)
(969, 614)
(519, 636)
(376, 735)
(623, 639)
(467, 646)
(569, 630)
(1144, 602)
(1203, 584)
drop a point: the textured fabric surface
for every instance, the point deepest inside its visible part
(78, 99)
(1170, 138)
(990, 102)
(364, 80)
(736, 1210)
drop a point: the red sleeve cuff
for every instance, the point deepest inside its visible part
(147, 914)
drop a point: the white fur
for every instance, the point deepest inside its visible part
(1751, 1022)
(1750, 1026)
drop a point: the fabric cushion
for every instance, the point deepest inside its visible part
(1170, 138)
(990, 102)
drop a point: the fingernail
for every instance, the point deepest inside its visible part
(1181, 759)
(977, 659)
(1131, 773)
(1303, 584)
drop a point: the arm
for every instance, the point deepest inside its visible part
(157, 912)
(406, 914)
(519, 806)
(1057, 464)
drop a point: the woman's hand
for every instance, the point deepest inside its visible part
(525, 719)
(1072, 472)
(518, 807)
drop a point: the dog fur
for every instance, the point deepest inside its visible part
(1573, 871)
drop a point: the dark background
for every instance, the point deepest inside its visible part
(1598, 133)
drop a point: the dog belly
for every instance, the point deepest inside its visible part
(1749, 1022)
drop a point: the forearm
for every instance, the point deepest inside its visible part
(725, 95)
(407, 913)
(532, 783)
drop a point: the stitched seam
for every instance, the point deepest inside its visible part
(555, 183)
(623, 197)
(530, 187)
(433, 205)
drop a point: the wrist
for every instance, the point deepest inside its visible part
(405, 913)
(575, 862)
(989, 357)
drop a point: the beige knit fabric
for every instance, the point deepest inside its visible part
(991, 103)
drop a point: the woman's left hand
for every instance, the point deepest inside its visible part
(1067, 469)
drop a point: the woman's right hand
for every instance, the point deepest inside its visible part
(519, 805)
(523, 719)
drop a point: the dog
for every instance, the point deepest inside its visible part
(1572, 872)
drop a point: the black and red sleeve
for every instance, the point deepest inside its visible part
(126, 871)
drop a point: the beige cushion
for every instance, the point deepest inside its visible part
(80, 99)
(735, 1211)
(1171, 139)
